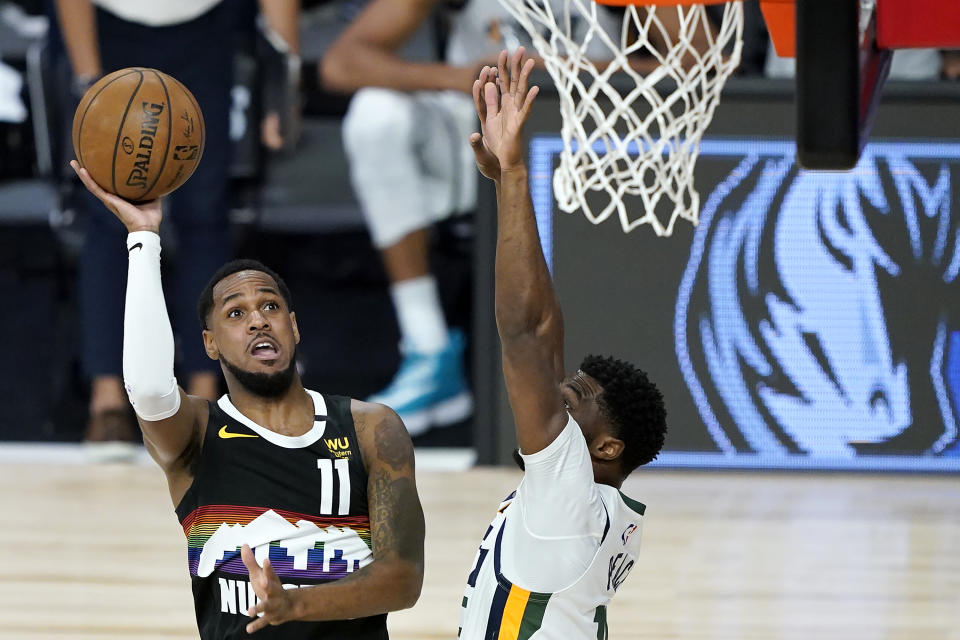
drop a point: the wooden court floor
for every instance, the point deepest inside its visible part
(95, 552)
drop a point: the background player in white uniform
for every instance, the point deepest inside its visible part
(405, 134)
(561, 545)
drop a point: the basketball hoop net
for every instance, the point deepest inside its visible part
(632, 139)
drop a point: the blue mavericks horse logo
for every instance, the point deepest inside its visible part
(817, 313)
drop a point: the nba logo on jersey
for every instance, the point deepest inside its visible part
(627, 533)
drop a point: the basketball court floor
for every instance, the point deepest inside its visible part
(95, 552)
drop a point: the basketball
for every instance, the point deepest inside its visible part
(139, 133)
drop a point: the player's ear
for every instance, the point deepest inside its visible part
(606, 447)
(296, 330)
(210, 345)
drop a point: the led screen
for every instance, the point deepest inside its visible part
(812, 319)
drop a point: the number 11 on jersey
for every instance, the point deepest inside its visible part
(326, 467)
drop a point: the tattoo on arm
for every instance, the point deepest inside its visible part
(399, 518)
(393, 446)
(394, 501)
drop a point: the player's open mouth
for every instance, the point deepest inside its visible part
(264, 349)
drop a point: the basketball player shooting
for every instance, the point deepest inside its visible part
(275, 486)
(565, 540)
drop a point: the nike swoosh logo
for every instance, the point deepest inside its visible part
(223, 433)
(139, 245)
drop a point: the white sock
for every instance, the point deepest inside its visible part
(422, 325)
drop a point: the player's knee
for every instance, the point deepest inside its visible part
(377, 119)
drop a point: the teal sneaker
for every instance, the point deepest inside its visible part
(430, 389)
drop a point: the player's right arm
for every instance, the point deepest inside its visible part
(528, 314)
(365, 54)
(559, 475)
(172, 422)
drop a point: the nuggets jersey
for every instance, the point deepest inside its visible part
(301, 501)
(497, 606)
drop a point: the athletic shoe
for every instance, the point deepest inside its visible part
(430, 389)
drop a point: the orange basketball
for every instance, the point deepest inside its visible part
(139, 133)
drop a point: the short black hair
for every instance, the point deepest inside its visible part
(205, 304)
(633, 404)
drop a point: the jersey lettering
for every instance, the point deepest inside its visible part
(620, 566)
(236, 596)
(327, 466)
(338, 444)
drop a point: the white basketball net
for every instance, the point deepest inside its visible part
(637, 143)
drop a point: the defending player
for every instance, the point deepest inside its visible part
(563, 542)
(275, 486)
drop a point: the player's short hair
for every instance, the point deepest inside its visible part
(634, 406)
(205, 304)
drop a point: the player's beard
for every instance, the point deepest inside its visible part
(265, 385)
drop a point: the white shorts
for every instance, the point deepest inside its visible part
(410, 158)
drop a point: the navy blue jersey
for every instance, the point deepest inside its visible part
(301, 501)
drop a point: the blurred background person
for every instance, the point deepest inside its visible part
(405, 134)
(192, 40)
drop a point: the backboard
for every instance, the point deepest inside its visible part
(843, 50)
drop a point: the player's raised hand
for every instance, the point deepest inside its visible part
(487, 163)
(135, 217)
(505, 107)
(275, 605)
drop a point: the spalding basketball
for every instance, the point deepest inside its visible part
(139, 133)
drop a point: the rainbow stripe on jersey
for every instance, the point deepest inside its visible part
(300, 546)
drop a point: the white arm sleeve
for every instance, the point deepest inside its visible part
(147, 336)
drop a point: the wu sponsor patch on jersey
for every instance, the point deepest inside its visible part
(338, 447)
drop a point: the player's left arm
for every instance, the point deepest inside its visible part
(393, 580)
(396, 516)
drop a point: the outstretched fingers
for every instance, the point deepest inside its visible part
(522, 90)
(503, 99)
(264, 582)
(249, 561)
(523, 77)
(503, 74)
(256, 625)
(487, 74)
(491, 99)
(515, 70)
(272, 578)
(528, 102)
(478, 99)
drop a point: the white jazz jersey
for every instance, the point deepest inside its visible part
(555, 554)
